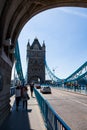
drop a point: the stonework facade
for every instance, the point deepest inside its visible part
(35, 62)
(5, 79)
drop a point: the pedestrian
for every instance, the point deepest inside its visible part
(31, 89)
(25, 97)
(17, 95)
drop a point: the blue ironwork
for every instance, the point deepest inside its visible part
(81, 72)
(52, 75)
(51, 118)
(79, 89)
(18, 65)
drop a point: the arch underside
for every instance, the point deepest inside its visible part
(14, 14)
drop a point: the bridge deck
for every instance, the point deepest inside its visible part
(24, 120)
(70, 106)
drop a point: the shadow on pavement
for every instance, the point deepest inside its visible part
(17, 120)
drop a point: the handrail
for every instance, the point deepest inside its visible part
(51, 118)
(80, 89)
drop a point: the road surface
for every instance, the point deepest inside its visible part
(71, 107)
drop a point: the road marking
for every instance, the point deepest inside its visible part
(79, 102)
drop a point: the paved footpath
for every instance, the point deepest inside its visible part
(24, 120)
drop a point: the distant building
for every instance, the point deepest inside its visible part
(35, 62)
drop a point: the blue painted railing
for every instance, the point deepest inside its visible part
(51, 118)
(81, 90)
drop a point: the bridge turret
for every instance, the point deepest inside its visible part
(43, 46)
(35, 62)
(28, 45)
(28, 48)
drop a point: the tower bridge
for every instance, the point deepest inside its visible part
(14, 14)
(36, 54)
(37, 66)
(35, 62)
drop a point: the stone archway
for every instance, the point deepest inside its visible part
(13, 18)
(14, 14)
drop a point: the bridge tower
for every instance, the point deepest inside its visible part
(35, 62)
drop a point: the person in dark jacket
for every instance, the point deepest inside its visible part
(25, 97)
(31, 89)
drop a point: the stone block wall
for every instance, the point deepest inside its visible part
(5, 80)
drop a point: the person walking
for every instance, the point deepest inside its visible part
(31, 89)
(17, 96)
(25, 97)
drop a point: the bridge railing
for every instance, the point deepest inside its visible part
(51, 118)
(81, 89)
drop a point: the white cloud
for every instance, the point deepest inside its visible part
(73, 12)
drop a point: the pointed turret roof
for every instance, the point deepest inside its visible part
(35, 44)
(28, 44)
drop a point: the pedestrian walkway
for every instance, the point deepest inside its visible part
(24, 120)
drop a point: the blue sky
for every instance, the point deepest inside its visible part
(64, 31)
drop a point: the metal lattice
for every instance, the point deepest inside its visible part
(18, 65)
(52, 75)
(81, 72)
